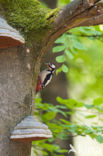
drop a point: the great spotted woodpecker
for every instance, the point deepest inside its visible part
(45, 77)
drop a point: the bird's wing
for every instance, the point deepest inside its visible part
(43, 75)
(47, 79)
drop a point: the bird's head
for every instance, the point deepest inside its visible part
(51, 66)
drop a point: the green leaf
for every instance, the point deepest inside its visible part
(99, 138)
(79, 46)
(64, 68)
(98, 101)
(90, 116)
(65, 121)
(58, 70)
(70, 103)
(73, 49)
(69, 54)
(61, 39)
(58, 49)
(49, 116)
(60, 58)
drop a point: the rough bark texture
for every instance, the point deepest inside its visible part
(17, 66)
(15, 97)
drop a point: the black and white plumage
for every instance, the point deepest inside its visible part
(45, 77)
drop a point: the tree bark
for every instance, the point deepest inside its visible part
(15, 97)
(19, 68)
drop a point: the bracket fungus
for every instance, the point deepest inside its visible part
(9, 37)
(29, 129)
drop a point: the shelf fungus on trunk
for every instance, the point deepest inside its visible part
(9, 37)
(29, 129)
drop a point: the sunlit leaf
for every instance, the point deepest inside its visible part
(58, 70)
(90, 116)
(60, 58)
(61, 39)
(58, 49)
(64, 68)
(98, 101)
(69, 54)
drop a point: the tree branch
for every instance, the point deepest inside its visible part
(78, 13)
(72, 10)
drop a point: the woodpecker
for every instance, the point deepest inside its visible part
(44, 78)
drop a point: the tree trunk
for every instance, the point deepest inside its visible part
(19, 68)
(15, 97)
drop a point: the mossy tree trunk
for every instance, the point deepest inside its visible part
(19, 68)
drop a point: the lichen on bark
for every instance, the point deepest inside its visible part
(29, 17)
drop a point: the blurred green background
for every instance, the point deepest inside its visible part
(72, 105)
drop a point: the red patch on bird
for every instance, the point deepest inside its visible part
(39, 85)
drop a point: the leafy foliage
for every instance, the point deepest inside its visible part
(71, 43)
(80, 51)
(62, 128)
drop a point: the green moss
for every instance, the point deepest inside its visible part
(29, 17)
(51, 15)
